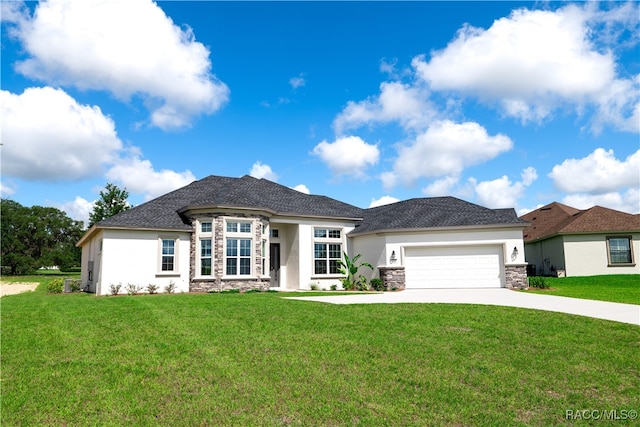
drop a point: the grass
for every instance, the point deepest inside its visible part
(623, 288)
(260, 359)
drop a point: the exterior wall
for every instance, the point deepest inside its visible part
(91, 263)
(516, 276)
(131, 256)
(393, 278)
(587, 255)
(547, 255)
(372, 247)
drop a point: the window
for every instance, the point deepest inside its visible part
(205, 227)
(205, 257)
(238, 227)
(238, 257)
(327, 250)
(275, 233)
(168, 254)
(620, 252)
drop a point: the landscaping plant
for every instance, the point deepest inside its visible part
(350, 267)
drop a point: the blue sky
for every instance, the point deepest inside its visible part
(504, 104)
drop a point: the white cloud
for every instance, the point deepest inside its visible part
(298, 81)
(78, 209)
(397, 101)
(441, 187)
(534, 61)
(127, 47)
(302, 188)
(501, 192)
(446, 149)
(629, 201)
(598, 173)
(139, 176)
(384, 200)
(348, 155)
(6, 190)
(260, 170)
(47, 135)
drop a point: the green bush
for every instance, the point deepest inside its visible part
(71, 269)
(333, 287)
(377, 284)
(152, 289)
(55, 286)
(170, 288)
(76, 285)
(538, 282)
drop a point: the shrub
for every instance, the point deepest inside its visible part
(133, 289)
(55, 286)
(76, 285)
(377, 284)
(333, 287)
(170, 288)
(115, 289)
(538, 282)
(349, 267)
(314, 287)
(152, 289)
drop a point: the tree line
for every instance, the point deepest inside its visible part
(37, 236)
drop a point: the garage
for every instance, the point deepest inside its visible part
(454, 267)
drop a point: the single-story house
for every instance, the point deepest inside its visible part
(566, 241)
(222, 233)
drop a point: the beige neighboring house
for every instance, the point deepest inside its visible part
(567, 241)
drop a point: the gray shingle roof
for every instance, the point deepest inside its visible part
(246, 192)
(436, 212)
(165, 212)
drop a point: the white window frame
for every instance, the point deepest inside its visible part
(200, 236)
(320, 238)
(239, 236)
(175, 255)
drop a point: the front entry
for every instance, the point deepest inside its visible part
(274, 264)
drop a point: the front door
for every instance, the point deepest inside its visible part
(274, 264)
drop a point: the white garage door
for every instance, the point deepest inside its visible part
(454, 267)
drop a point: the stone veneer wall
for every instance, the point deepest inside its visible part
(216, 282)
(392, 277)
(516, 276)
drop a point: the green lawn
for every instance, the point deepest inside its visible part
(615, 288)
(259, 359)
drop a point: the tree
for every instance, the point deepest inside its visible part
(113, 200)
(37, 237)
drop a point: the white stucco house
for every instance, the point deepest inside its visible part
(243, 233)
(566, 241)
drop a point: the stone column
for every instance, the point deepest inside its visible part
(392, 277)
(516, 276)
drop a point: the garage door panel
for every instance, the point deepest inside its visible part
(453, 267)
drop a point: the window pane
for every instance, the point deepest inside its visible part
(232, 264)
(320, 267)
(320, 250)
(319, 232)
(205, 227)
(205, 247)
(245, 247)
(274, 233)
(205, 266)
(245, 266)
(232, 227)
(232, 247)
(333, 266)
(168, 247)
(167, 263)
(245, 227)
(334, 234)
(334, 251)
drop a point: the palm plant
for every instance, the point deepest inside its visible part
(349, 268)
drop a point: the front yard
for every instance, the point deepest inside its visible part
(258, 359)
(623, 288)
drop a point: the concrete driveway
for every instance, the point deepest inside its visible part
(625, 313)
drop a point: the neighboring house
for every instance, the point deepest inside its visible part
(241, 233)
(566, 241)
